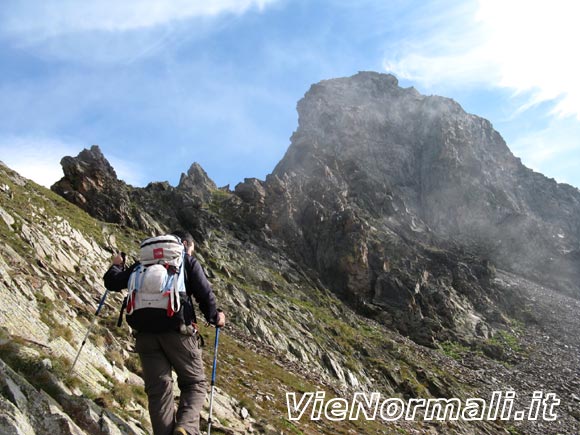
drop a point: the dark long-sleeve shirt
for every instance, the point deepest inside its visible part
(196, 284)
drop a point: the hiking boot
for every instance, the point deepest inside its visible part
(179, 431)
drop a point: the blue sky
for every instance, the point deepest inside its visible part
(160, 84)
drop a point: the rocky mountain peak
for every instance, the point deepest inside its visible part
(382, 187)
(90, 164)
(197, 183)
(91, 183)
(367, 144)
(369, 121)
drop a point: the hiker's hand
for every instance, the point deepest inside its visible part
(220, 320)
(118, 260)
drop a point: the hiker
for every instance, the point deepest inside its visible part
(172, 345)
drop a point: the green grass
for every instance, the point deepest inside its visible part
(243, 373)
(507, 340)
(291, 428)
(34, 203)
(31, 367)
(133, 363)
(504, 347)
(124, 394)
(454, 350)
(219, 199)
(513, 431)
(115, 357)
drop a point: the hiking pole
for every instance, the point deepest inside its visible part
(101, 303)
(215, 351)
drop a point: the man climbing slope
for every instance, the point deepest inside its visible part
(167, 338)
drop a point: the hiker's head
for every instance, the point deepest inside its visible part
(187, 240)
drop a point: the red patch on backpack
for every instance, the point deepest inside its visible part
(158, 253)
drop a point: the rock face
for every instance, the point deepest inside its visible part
(196, 183)
(377, 175)
(91, 183)
(25, 410)
(52, 260)
(51, 266)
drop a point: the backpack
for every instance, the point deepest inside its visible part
(156, 286)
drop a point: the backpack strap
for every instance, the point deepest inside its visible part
(186, 275)
(133, 286)
(173, 285)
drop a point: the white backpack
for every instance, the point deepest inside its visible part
(158, 278)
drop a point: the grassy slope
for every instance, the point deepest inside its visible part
(242, 371)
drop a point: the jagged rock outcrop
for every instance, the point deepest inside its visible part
(400, 202)
(450, 169)
(26, 410)
(397, 200)
(196, 183)
(91, 183)
(379, 179)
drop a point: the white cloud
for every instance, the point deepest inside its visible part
(49, 18)
(38, 159)
(127, 170)
(552, 150)
(94, 32)
(35, 158)
(541, 147)
(528, 46)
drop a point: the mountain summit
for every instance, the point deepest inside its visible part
(389, 155)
